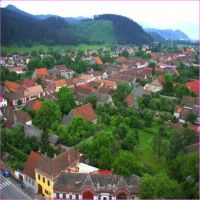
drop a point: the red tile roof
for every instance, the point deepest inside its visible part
(86, 111)
(193, 86)
(37, 104)
(104, 172)
(31, 164)
(129, 100)
(161, 80)
(41, 71)
(28, 83)
(98, 61)
(12, 86)
(60, 83)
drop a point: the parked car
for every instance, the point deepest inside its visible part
(6, 173)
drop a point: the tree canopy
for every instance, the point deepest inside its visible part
(48, 114)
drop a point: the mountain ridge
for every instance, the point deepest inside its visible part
(19, 27)
(168, 34)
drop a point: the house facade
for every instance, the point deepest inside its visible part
(3, 102)
(48, 170)
(95, 187)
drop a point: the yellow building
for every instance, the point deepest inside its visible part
(48, 169)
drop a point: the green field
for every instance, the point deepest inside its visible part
(146, 155)
(21, 50)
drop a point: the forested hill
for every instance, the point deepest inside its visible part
(25, 30)
(18, 28)
(126, 31)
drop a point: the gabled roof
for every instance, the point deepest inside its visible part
(98, 61)
(86, 111)
(60, 83)
(106, 83)
(130, 100)
(31, 164)
(54, 166)
(28, 83)
(104, 183)
(193, 86)
(34, 90)
(12, 86)
(41, 71)
(34, 105)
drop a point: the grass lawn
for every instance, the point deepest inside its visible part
(146, 155)
(20, 50)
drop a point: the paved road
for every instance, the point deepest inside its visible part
(10, 190)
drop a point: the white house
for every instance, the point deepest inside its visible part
(3, 102)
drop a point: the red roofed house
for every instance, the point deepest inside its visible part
(28, 83)
(129, 100)
(17, 70)
(193, 86)
(155, 86)
(12, 86)
(86, 111)
(60, 83)
(181, 113)
(29, 170)
(98, 61)
(3, 102)
(39, 73)
(34, 105)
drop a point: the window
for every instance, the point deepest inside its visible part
(38, 176)
(70, 196)
(110, 197)
(32, 182)
(104, 198)
(43, 180)
(64, 196)
(57, 196)
(77, 196)
(29, 180)
(48, 182)
(26, 178)
(99, 197)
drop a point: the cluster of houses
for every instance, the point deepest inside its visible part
(66, 177)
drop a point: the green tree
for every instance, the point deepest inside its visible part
(131, 140)
(125, 164)
(178, 140)
(181, 90)
(100, 149)
(159, 142)
(185, 169)
(91, 99)
(48, 114)
(152, 65)
(159, 186)
(34, 63)
(123, 89)
(191, 117)
(125, 53)
(81, 66)
(168, 84)
(148, 117)
(65, 100)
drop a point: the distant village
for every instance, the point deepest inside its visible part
(48, 176)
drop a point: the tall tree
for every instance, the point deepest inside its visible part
(126, 164)
(159, 186)
(123, 89)
(65, 100)
(48, 114)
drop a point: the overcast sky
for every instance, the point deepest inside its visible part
(183, 15)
